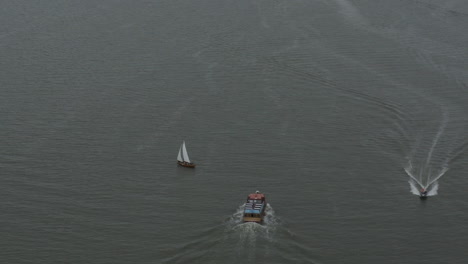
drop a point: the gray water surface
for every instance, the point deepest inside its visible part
(321, 105)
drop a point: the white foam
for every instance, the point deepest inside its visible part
(409, 171)
(431, 189)
(441, 130)
(431, 184)
(248, 232)
(441, 173)
(413, 187)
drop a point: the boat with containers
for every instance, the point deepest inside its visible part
(254, 209)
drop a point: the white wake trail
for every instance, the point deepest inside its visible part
(431, 186)
(441, 130)
(408, 171)
(424, 175)
(413, 187)
(431, 190)
(441, 173)
(249, 231)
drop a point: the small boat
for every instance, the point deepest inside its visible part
(254, 209)
(423, 194)
(183, 158)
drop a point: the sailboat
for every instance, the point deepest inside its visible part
(183, 158)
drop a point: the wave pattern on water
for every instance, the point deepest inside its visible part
(236, 241)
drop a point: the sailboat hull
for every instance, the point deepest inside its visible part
(186, 164)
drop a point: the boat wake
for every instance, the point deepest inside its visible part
(430, 184)
(234, 241)
(270, 222)
(250, 238)
(434, 165)
(415, 186)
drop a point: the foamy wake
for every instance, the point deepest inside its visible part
(431, 190)
(249, 232)
(431, 184)
(266, 242)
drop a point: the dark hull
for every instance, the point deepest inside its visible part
(185, 164)
(254, 221)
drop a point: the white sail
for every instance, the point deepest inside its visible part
(179, 156)
(184, 153)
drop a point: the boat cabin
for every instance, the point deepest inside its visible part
(256, 197)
